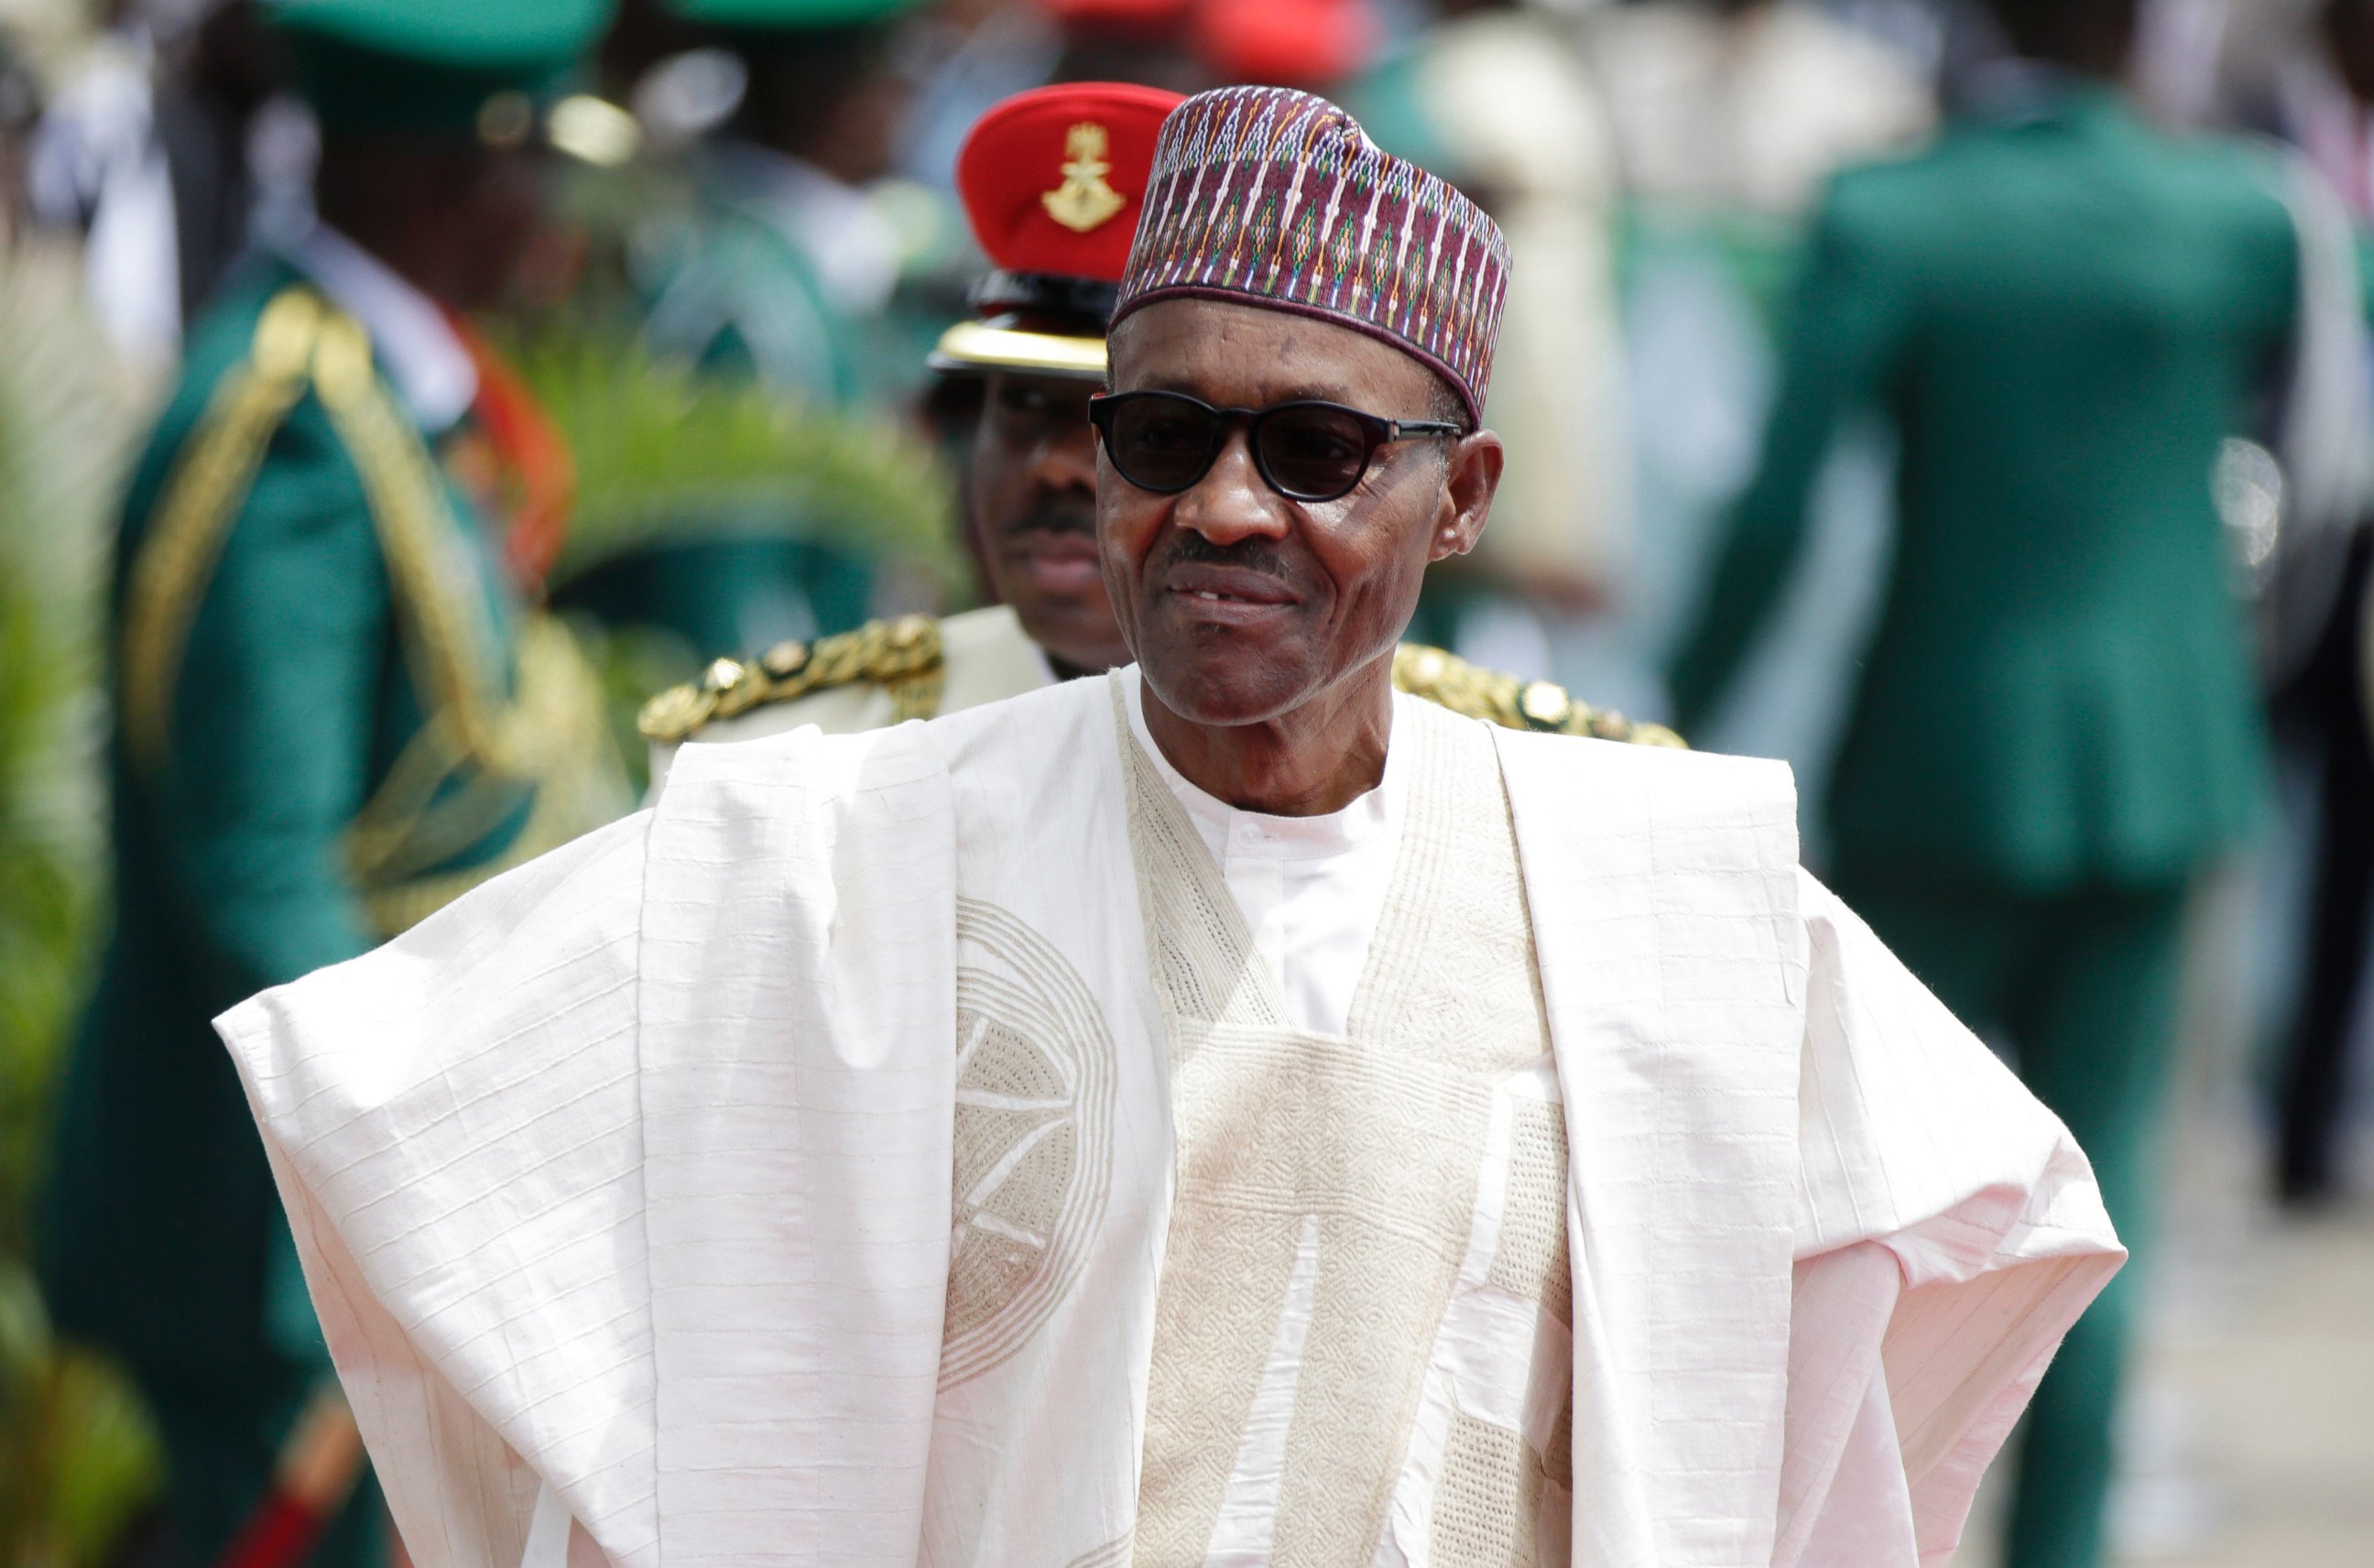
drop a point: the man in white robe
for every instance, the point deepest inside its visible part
(1217, 1112)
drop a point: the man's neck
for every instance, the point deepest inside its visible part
(1316, 759)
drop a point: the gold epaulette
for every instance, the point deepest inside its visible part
(1452, 682)
(210, 478)
(903, 654)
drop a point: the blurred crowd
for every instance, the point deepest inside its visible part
(2015, 488)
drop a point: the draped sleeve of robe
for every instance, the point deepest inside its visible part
(622, 1187)
(1948, 1234)
(1825, 1242)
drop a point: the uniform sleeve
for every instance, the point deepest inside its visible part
(1948, 1234)
(454, 1126)
(273, 723)
(1842, 340)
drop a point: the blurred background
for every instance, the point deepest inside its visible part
(721, 434)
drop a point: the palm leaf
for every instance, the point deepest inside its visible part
(664, 452)
(76, 1460)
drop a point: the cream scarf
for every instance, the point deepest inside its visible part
(1366, 1242)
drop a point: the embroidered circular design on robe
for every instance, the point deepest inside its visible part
(1034, 1111)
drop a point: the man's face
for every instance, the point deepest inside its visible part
(1033, 479)
(1242, 605)
(503, 200)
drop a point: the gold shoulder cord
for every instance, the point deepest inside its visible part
(578, 786)
(903, 654)
(202, 497)
(416, 536)
(1452, 682)
(550, 737)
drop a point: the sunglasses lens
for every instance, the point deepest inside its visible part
(1314, 454)
(1162, 444)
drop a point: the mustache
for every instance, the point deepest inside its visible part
(1058, 513)
(1191, 548)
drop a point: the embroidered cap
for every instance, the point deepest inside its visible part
(1276, 197)
(1052, 181)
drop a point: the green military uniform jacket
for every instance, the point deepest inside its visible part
(733, 290)
(331, 719)
(2062, 314)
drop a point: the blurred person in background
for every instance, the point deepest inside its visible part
(2063, 313)
(777, 267)
(1499, 97)
(2325, 106)
(169, 146)
(1052, 180)
(1727, 117)
(785, 259)
(1747, 105)
(334, 711)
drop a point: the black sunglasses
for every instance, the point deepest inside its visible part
(1306, 450)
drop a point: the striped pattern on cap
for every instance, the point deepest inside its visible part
(1277, 197)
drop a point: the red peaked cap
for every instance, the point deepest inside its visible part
(1029, 213)
(1124, 15)
(1304, 43)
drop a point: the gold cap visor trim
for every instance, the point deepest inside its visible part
(979, 346)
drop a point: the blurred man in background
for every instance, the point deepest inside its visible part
(2063, 312)
(786, 260)
(2325, 105)
(1499, 98)
(1051, 181)
(334, 711)
(166, 149)
(1727, 118)
(775, 263)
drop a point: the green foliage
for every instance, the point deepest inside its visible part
(76, 1458)
(665, 451)
(75, 1452)
(44, 890)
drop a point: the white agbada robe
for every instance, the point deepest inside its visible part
(624, 1186)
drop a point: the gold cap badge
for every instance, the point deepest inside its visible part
(1083, 201)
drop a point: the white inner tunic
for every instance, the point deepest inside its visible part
(1310, 888)
(1361, 1352)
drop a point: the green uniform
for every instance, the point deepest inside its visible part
(330, 718)
(733, 291)
(737, 292)
(776, 271)
(2062, 313)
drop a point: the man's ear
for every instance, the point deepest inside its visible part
(1471, 477)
